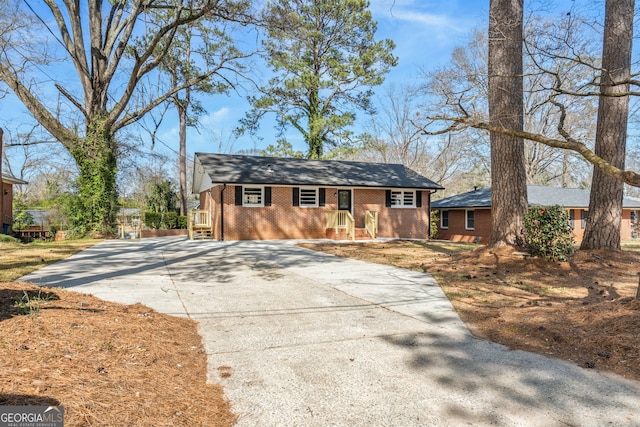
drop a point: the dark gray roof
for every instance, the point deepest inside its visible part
(538, 195)
(236, 169)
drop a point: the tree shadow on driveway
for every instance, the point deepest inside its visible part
(551, 391)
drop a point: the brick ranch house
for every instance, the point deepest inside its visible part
(467, 217)
(261, 198)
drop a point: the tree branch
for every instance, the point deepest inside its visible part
(458, 123)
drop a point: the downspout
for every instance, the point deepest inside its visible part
(429, 193)
(222, 212)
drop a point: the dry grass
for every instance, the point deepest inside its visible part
(18, 259)
(582, 310)
(108, 364)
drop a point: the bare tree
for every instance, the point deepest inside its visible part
(392, 137)
(205, 42)
(463, 84)
(112, 49)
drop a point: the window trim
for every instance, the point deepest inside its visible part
(316, 199)
(444, 227)
(572, 218)
(466, 219)
(402, 199)
(584, 214)
(253, 205)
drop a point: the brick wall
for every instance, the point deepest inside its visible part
(457, 231)
(282, 220)
(403, 223)
(7, 202)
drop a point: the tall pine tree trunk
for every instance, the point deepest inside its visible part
(508, 173)
(605, 205)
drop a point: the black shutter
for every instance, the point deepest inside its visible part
(238, 195)
(267, 196)
(418, 199)
(322, 196)
(296, 196)
(387, 198)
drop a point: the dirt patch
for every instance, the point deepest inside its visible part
(108, 364)
(582, 310)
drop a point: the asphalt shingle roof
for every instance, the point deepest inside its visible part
(538, 195)
(237, 169)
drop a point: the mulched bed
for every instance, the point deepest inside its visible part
(108, 364)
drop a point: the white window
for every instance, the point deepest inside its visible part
(470, 223)
(444, 219)
(252, 196)
(403, 199)
(308, 197)
(584, 214)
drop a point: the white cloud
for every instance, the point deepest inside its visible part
(216, 117)
(425, 19)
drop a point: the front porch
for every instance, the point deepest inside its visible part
(339, 225)
(342, 226)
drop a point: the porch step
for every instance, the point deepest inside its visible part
(360, 234)
(202, 235)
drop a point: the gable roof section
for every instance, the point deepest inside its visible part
(538, 195)
(236, 169)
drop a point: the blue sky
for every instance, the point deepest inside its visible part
(424, 31)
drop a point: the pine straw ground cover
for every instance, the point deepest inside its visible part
(108, 364)
(582, 310)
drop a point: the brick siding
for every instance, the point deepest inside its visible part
(457, 231)
(282, 220)
(482, 230)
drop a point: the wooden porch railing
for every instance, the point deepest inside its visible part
(198, 221)
(371, 223)
(342, 220)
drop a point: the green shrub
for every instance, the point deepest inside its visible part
(8, 239)
(152, 220)
(182, 222)
(22, 219)
(169, 220)
(434, 220)
(548, 233)
(163, 221)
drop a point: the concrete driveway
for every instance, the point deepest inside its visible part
(310, 339)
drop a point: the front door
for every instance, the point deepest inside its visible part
(344, 200)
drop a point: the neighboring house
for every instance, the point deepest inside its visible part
(258, 198)
(6, 200)
(467, 217)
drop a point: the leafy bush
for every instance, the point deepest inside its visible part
(548, 233)
(22, 219)
(434, 220)
(169, 220)
(182, 222)
(152, 220)
(163, 221)
(8, 239)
